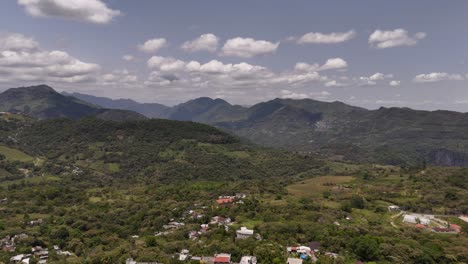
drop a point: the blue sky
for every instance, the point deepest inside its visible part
(366, 53)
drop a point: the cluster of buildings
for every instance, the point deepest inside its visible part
(222, 258)
(38, 253)
(436, 225)
(227, 200)
(8, 243)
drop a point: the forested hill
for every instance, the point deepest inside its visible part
(44, 102)
(334, 129)
(162, 150)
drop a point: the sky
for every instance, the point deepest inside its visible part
(369, 53)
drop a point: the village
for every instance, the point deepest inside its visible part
(295, 254)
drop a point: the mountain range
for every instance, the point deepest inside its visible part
(336, 130)
(43, 102)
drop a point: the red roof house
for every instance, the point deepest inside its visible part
(222, 259)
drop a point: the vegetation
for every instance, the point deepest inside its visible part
(105, 188)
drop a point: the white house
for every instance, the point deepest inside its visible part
(248, 260)
(244, 232)
(294, 261)
(417, 219)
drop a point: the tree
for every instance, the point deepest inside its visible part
(366, 247)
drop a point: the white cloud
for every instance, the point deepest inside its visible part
(153, 45)
(330, 64)
(437, 77)
(93, 11)
(119, 77)
(334, 83)
(372, 80)
(394, 83)
(206, 42)
(128, 57)
(292, 95)
(17, 42)
(323, 95)
(394, 38)
(330, 38)
(26, 62)
(248, 47)
(334, 63)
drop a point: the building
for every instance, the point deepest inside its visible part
(219, 220)
(417, 219)
(248, 260)
(131, 261)
(394, 208)
(294, 261)
(244, 232)
(222, 258)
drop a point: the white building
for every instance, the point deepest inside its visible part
(294, 261)
(244, 232)
(417, 219)
(248, 260)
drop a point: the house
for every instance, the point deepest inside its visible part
(219, 220)
(194, 235)
(248, 260)
(417, 219)
(455, 227)
(443, 230)
(394, 208)
(184, 255)
(20, 258)
(225, 201)
(131, 261)
(173, 225)
(294, 261)
(36, 222)
(463, 218)
(241, 195)
(331, 254)
(244, 232)
(207, 260)
(222, 258)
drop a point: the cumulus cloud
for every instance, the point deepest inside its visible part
(93, 11)
(334, 83)
(322, 38)
(153, 45)
(394, 38)
(372, 80)
(118, 77)
(17, 42)
(128, 57)
(437, 77)
(292, 95)
(248, 47)
(206, 42)
(322, 95)
(330, 64)
(27, 62)
(394, 83)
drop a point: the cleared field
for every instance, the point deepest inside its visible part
(15, 155)
(316, 186)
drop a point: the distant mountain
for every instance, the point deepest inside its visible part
(43, 102)
(387, 135)
(152, 110)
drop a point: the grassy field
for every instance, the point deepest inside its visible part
(316, 186)
(37, 179)
(15, 155)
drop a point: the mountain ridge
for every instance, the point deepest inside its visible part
(393, 135)
(43, 102)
